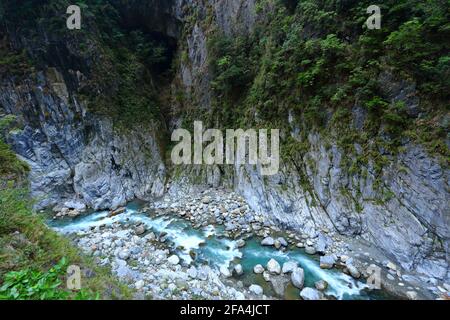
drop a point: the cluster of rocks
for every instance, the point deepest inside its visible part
(343, 261)
(70, 209)
(141, 258)
(359, 261)
(77, 210)
(219, 207)
(116, 212)
(222, 207)
(215, 207)
(138, 258)
(280, 277)
(323, 242)
(68, 213)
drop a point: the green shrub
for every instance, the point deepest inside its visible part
(36, 285)
(28, 247)
(29, 251)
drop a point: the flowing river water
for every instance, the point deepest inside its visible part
(208, 245)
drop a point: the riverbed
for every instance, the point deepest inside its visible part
(209, 245)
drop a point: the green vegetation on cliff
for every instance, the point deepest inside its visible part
(316, 63)
(320, 62)
(10, 166)
(313, 66)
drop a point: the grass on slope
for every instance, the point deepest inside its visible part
(34, 258)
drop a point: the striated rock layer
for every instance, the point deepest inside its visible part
(75, 156)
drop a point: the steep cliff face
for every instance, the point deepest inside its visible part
(79, 157)
(81, 152)
(412, 226)
(402, 210)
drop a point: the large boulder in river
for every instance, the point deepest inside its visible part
(298, 278)
(279, 284)
(117, 212)
(310, 250)
(277, 244)
(140, 229)
(321, 285)
(225, 271)
(268, 242)
(289, 266)
(240, 243)
(173, 260)
(283, 242)
(238, 270)
(311, 294)
(258, 269)
(258, 290)
(273, 266)
(354, 272)
(327, 262)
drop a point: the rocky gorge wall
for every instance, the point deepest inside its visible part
(78, 158)
(412, 226)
